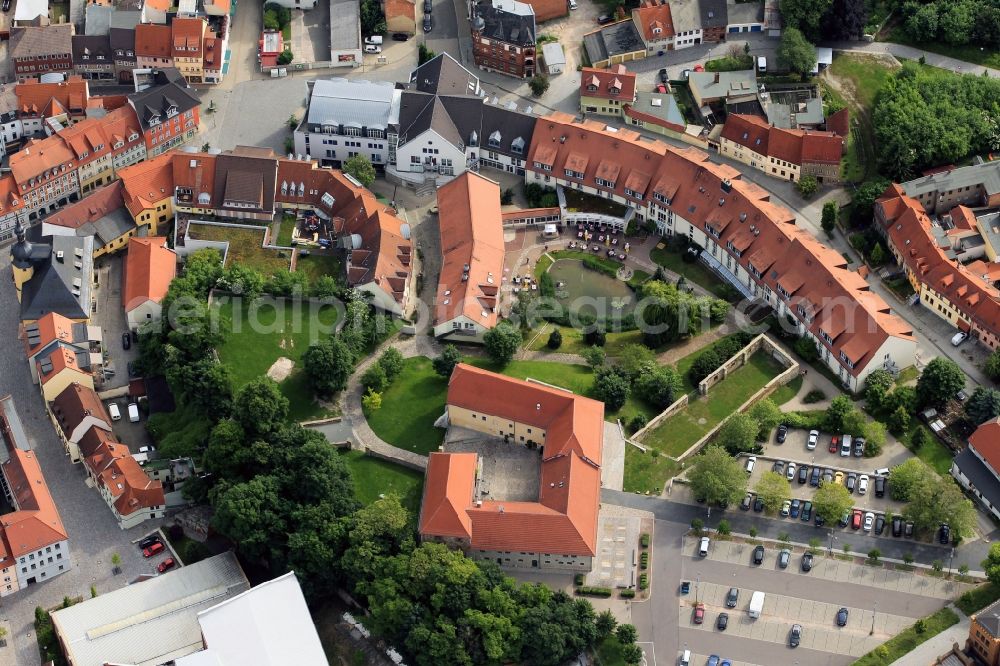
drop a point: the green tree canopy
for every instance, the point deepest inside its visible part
(361, 168)
(909, 476)
(502, 342)
(611, 387)
(773, 489)
(738, 434)
(940, 381)
(328, 365)
(991, 565)
(940, 501)
(446, 362)
(832, 501)
(804, 16)
(983, 405)
(767, 415)
(718, 477)
(659, 385)
(795, 52)
(260, 407)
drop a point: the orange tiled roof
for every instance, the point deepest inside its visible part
(36, 523)
(149, 267)
(564, 519)
(52, 327)
(38, 159)
(471, 236)
(131, 489)
(60, 359)
(652, 16)
(840, 122)
(34, 97)
(91, 208)
(186, 37)
(791, 145)
(147, 183)
(986, 440)
(152, 40)
(603, 80)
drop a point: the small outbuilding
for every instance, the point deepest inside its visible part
(555, 58)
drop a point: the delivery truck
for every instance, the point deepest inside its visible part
(756, 605)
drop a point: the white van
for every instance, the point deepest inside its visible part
(374, 39)
(703, 549)
(133, 412)
(761, 64)
(751, 461)
(686, 658)
(116, 414)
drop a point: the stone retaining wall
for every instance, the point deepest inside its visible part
(678, 404)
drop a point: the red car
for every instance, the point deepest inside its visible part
(856, 519)
(168, 563)
(153, 550)
(699, 613)
(660, 88)
(835, 444)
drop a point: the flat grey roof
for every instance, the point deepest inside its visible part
(779, 113)
(553, 54)
(663, 106)
(345, 25)
(613, 39)
(986, 174)
(354, 103)
(729, 84)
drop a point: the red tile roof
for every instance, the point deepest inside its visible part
(149, 267)
(839, 123)
(471, 236)
(131, 489)
(34, 97)
(52, 327)
(152, 41)
(653, 16)
(60, 359)
(548, 9)
(986, 440)
(600, 82)
(186, 37)
(147, 183)
(791, 145)
(564, 519)
(101, 202)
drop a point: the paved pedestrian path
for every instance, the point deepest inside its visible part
(928, 651)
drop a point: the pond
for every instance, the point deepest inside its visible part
(583, 290)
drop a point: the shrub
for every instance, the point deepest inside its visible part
(637, 423)
(578, 579)
(588, 591)
(644, 560)
(643, 581)
(920, 626)
(697, 524)
(644, 540)
(595, 337)
(538, 84)
(627, 593)
(374, 378)
(806, 349)
(814, 396)
(555, 339)
(285, 57)
(724, 528)
(752, 531)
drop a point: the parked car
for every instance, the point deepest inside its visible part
(722, 622)
(862, 484)
(845, 446)
(782, 433)
(732, 597)
(714, 657)
(856, 519)
(944, 534)
(842, 617)
(132, 370)
(685, 586)
(758, 555)
(751, 461)
(838, 477)
(813, 439)
(807, 511)
(747, 501)
(149, 541)
(778, 467)
(819, 521)
(703, 547)
(785, 508)
(827, 475)
(851, 482)
(6, 5)
(663, 75)
(803, 474)
(879, 524)
(147, 449)
(604, 18)
(845, 519)
(699, 613)
(793, 510)
(400, 36)
(428, 22)
(869, 521)
(783, 557)
(908, 529)
(897, 526)
(153, 549)
(790, 471)
(880, 486)
(814, 476)
(758, 505)
(807, 562)
(959, 338)
(834, 443)
(166, 564)
(573, 5)
(369, 48)
(859, 447)
(428, 6)
(133, 412)
(795, 636)
(116, 413)
(126, 340)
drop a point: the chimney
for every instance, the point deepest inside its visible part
(716, 77)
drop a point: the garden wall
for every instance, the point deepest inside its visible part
(407, 459)
(678, 404)
(740, 359)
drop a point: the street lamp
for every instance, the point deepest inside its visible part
(832, 539)
(874, 610)
(951, 558)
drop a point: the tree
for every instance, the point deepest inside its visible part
(285, 57)
(611, 387)
(271, 20)
(606, 623)
(706, 363)
(328, 365)
(831, 501)
(626, 633)
(361, 168)
(899, 421)
(865, 196)
(908, 476)
(829, 219)
(773, 489)
(374, 378)
(846, 19)
(242, 280)
(939, 382)
(877, 255)
(992, 366)
(874, 554)
(424, 54)
(538, 84)
(983, 405)
(717, 477)
(555, 339)
(805, 16)
(874, 438)
(325, 286)
(840, 407)
(991, 565)
(446, 362)
(259, 407)
(796, 53)
(632, 654)
(659, 385)
(918, 438)
(877, 387)
(633, 359)
(767, 415)
(391, 361)
(372, 18)
(594, 356)
(738, 434)
(502, 342)
(807, 186)
(941, 501)
(371, 401)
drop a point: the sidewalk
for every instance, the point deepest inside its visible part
(928, 651)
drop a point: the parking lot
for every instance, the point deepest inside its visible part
(133, 435)
(795, 449)
(880, 603)
(110, 317)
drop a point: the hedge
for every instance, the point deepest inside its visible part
(627, 593)
(644, 540)
(644, 560)
(587, 591)
(578, 579)
(643, 581)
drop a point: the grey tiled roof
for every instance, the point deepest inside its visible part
(93, 46)
(981, 477)
(169, 89)
(611, 40)
(511, 27)
(989, 617)
(444, 76)
(151, 622)
(713, 13)
(53, 283)
(987, 173)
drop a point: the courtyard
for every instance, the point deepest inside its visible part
(374, 478)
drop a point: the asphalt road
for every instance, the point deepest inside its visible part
(971, 554)
(755, 652)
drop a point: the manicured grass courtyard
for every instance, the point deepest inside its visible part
(245, 247)
(933, 452)
(904, 642)
(647, 472)
(695, 272)
(788, 391)
(572, 340)
(316, 266)
(258, 334)
(410, 406)
(678, 433)
(285, 230)
(374, 477)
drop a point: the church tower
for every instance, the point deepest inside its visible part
(20, 255)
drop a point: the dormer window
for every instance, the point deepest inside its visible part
(495, 139)
(517, 146)
(591, 88)
(171, 111)
(615, 91)
(119, 53)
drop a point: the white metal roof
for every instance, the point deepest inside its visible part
(553, 54)
(354, 102)
(151, 622)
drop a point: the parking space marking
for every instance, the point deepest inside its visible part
(703, 658)
(648, 654)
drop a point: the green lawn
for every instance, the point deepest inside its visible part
(285, 231)
(695, 272)
(678, 433)
(788, 391)
(609, 653)
(245, 247)
(572, 340)
(684, 364)
(410, 406)
(905, 642)
(969, 53)
(374, 477)
(979, 598)
(729, 64)
(647, 472)
(249, 353)
(933, 452)
(318, 265)
(866, 74)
